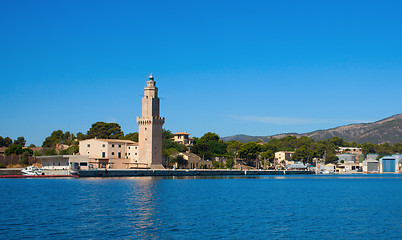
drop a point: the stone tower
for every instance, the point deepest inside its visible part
(150, 127)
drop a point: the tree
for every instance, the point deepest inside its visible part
(210, 137)
(267, 155)
(331, 159)
(59, 137)
(167, 134)
(209, 146)
(24, 159)
(20, 141)
(250, 152)
(104, 130)
(5, 142)
(230, 163)
(50, 152)
(302, 154)
(14, 149)
(131, 136)
(233, 148)
(70, 151)
(81, 136)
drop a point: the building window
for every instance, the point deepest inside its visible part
(135, 147)
(129, 154)
(83, 164)
(119, 146)
(135, 153)
(88, 145)
(103, 145)
(119, 155)
(103, 154)
(112, 153)
(112, 145)
(145, 129)
(128, 147)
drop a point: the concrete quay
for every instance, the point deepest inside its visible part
(183, 172)
(10, 171)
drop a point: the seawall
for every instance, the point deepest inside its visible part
(183, 172)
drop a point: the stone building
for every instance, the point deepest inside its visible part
(111, 153)
(150, 128)
(194, 161)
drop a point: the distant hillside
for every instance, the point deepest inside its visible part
(386, 130)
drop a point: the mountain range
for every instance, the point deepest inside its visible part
(382, 131)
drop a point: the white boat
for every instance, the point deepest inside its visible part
(326, 171)
(32, 170)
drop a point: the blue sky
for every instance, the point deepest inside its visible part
(230, 67)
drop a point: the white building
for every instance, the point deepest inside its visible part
(62, 164)
(111, 153)
(283, 158)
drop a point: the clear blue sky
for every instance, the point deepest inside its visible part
(230, 67)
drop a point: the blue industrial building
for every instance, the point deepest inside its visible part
(389, 164)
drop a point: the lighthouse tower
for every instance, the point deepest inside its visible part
(150, 128)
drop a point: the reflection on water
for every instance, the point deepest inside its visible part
(143, 201)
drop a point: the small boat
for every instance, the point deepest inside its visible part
(32, 170)
(326, 171)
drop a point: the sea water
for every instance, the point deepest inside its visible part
(263, 207)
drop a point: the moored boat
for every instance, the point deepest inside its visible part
(32, 171)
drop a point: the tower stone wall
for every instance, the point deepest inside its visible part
(150, 127)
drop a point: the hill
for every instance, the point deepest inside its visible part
(386, 130)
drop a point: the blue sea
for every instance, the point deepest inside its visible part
(263, 207)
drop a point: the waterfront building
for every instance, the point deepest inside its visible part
(329, 168)
(370, 166)
(194, 161)
(150, 128)
(183, 138)
(283, 158)
(111, 153)
(346, 158)
(62, 164)
(297, 166)
(389, 164)
(349, 166)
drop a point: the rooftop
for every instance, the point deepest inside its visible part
(181, 133)
(113, 141)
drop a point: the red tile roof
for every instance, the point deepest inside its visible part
(181, 133)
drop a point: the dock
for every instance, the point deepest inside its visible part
(184, 172)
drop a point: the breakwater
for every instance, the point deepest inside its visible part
(183, 172)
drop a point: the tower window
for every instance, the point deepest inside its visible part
(112, 145)
(88, 145)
